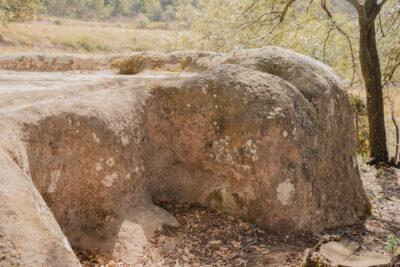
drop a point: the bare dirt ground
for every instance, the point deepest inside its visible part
(206, 238)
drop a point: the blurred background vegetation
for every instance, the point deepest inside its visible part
(150, 10)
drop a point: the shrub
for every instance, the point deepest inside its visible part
(156, 13)
(142, 21)
(169, 15)
(392, 244)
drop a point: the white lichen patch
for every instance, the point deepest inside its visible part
(224, 153)
(110, 162)
(246, 168)
(96, 138)
(108, 180)
(124, 140)
(54, 178)
(98, 166)
(275, 113)
(251, 150)
(284, 191)
(215, 124)
(137, 170)
(285, 134)
(222, 149)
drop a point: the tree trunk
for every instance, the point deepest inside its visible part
(371, 72)
(357, 127)
(396, 125)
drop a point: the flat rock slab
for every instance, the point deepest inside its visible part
(349, 254)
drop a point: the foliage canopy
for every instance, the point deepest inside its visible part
(16, 10)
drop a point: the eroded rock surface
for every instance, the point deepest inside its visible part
(265, 135)
(349, 254)
(44, 62)
(177, 61)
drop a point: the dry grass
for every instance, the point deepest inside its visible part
(53, 34)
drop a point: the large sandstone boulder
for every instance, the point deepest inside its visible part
(266, 136)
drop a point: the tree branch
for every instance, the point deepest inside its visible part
(289, 3)
(309, 5)
(249, 8)
(380, 5)
(389, 76)
(341, 31)
(327, 11)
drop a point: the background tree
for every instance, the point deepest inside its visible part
(371, 72)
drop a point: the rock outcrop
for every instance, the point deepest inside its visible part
(44, 62)
(350, 254)
(178, 61)
(263, 134)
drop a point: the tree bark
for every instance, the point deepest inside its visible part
(396, 125)
(357, 127)
(371, 72)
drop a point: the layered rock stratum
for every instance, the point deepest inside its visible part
(265, 135)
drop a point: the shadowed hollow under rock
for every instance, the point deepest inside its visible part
(265, 135)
